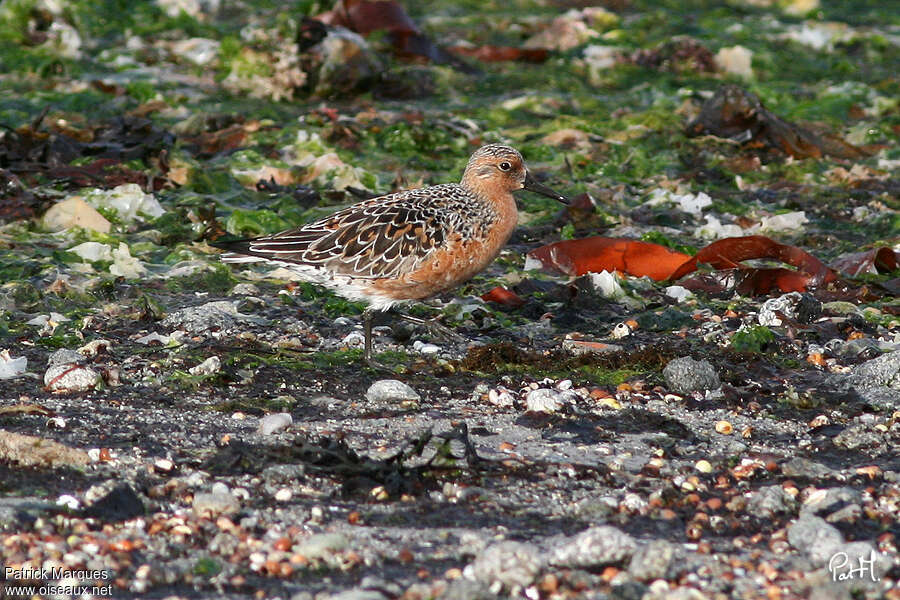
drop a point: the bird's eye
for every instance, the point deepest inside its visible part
(504, 166)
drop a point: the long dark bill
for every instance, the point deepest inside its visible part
(533, 185)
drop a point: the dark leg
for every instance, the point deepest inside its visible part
(367, 353)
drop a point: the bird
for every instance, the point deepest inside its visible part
(406, 246)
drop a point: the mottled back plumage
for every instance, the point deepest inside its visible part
(409, 245)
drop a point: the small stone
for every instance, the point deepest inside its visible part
(391, 390)
(70, 378)
(543, 400)
(119, 504)
(595, 547)
(218, 315)
(207, 367)
(813, 536)
(283, 495)
(686, 375)
(64, 356)
(512, 564)
(214, 504)
(651, 561)
(245, 289)
(769, 501)
(75, 212)
(883, 371)
(803, 467)
(274, 422)
(703, 466)
(322, 545)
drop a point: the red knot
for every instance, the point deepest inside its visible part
(409, 245)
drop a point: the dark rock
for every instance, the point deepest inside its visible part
(686, 375)
(120, 504)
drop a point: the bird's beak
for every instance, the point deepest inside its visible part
(533, 185)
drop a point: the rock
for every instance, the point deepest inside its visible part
(512, 564)
(803, 308)
(125, 265)
(322, 545)
(883, 371)
(543, 400)
(803, 467)
(279, 474)
(857, 436)
(391, 390)
(348, 64)
(816, 538)
(120, 504)
(214, 504)
(274, 422)
(245, 289)
(64, 356)
(595, 547)
(75, 212)
(69, 377)
(685, 375)
(466, 589)
(829, 500)
(735, 60)
(30, 451)
(16, 513)
(849, 514)
(769, 501)
(884, 399)
(651, 561)
(207, 367)
(220, 314)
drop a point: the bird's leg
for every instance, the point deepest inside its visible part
(435, 327)
(367, 330)
(367, 353)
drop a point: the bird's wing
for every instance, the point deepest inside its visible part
(380, 238)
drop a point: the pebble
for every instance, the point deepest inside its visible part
(391, 390)
(686, 375)
(595, 547)
(245, 289)
(501, 397)
(274, 422)
(283, 495)
(703, 466)
(543, 400)
(883, 371)
(794, 305)
(323, 545)
(511, 564)
(207, 367)
(651, 561)
(816, 538)
(70, 377)
(769, 501)
(64, 356)
(425, 348)
(215, 503)
(221, 314)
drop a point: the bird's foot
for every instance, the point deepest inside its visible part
(436, 328)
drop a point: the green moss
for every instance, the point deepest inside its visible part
(752, 339)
